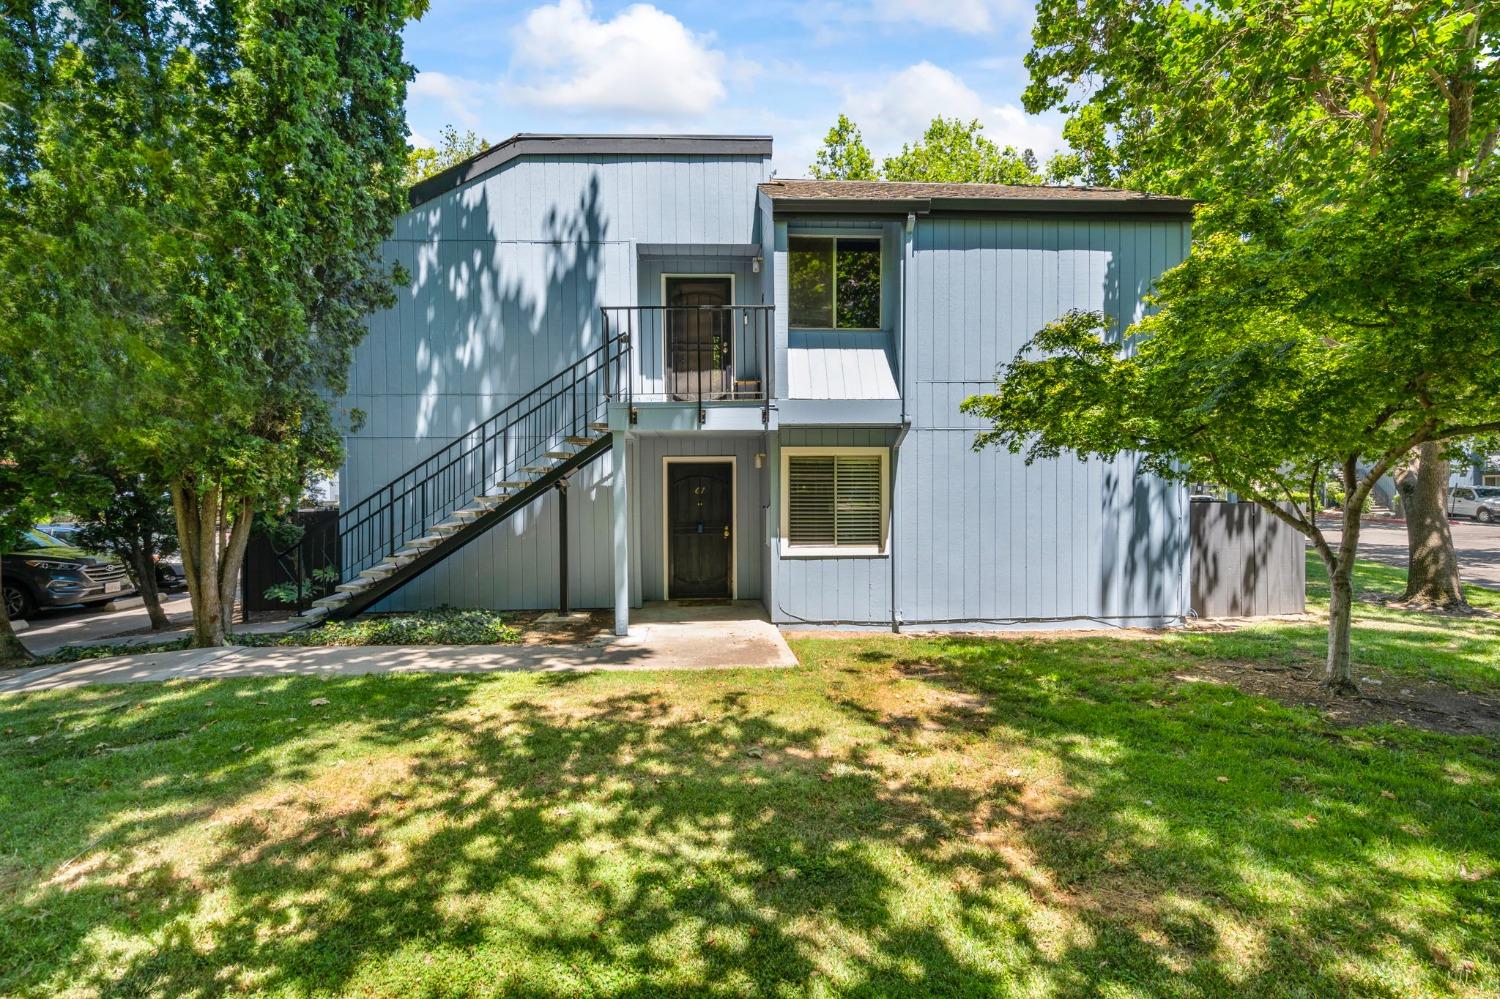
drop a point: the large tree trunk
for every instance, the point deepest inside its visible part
(144, 570)
(1432, 566)
(213, 531)
(12, 652)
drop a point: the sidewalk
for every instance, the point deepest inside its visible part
(710, 641)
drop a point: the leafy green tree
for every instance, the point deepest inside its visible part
(452, 148)
(196, 247)
(1308, 110)
(1240, 380)
(954, 151)
(26, 496)
(129, 514)
(844, 155)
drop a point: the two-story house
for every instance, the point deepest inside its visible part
(638, 368)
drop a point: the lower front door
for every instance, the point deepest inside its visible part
(700, 529)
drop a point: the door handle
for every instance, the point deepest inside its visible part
(726, 531)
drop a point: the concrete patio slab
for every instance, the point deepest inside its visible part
(667, 637)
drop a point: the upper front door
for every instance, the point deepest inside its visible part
(698, 337)
(700, 532)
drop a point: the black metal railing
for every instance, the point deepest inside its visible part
(700, 354)
(501, 449)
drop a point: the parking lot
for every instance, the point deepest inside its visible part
(1478, 547)
(49, 630)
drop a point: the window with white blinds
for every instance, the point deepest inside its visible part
(836, 499)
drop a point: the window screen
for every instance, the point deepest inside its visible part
(834, 501)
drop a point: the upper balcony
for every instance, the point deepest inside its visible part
(698, 363)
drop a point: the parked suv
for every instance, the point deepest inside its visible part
(1480, 502)
(44, 572)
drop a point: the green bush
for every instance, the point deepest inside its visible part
(445, 626)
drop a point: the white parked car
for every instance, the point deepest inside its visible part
(1480, 502)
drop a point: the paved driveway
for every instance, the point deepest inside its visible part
(50, 630)
(1477, 545)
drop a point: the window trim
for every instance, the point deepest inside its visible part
(788, 550)
(879, 281)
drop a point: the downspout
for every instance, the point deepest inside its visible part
(906, 256)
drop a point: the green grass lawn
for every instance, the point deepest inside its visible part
(1460, 651)
(936, 816)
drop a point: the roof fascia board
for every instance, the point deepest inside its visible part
(951, 207)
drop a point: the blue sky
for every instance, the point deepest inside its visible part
(778, 67)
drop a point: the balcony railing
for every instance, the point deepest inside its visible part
(705, 355)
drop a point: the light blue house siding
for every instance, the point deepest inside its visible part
(981, 537)
(509, 265)
(507, 274)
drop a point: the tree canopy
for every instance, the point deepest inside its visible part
(453, 148)
(1341, 306)
(199, 210)
(844, 155)
(951, 150)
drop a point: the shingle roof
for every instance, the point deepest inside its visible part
(813, 194)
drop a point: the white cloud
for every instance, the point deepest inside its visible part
(643, 61)
(458, 97)
(899, 110)
(961, 15)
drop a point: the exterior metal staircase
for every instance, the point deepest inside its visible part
(476, 481)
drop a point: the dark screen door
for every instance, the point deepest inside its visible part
(698, 337)
(699, 532)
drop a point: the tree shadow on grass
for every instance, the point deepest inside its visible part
(955, 818)
(1205, 825)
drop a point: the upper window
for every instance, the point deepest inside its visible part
(835, 282)
(835, 500)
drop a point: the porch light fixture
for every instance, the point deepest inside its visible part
(755, 265)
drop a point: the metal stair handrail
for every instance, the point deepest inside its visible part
(515, 438)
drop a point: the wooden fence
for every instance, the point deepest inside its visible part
(1245, 562)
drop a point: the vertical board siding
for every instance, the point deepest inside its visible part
(650, 339)
(751, 495)
(982, 537)
(507, 275)
(514, 565)
(825, 590)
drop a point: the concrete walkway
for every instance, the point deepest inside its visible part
(666, 636)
